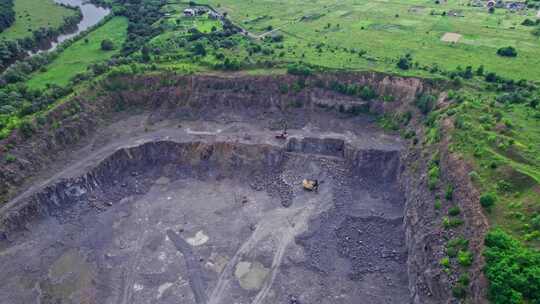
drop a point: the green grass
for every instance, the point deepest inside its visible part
(485, 142)
(33, 14)
(373, 27)
(80, 55)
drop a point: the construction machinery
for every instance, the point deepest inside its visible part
(310, 184)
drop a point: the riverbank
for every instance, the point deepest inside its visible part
(48, 39)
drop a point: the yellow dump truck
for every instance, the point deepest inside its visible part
(310, 184)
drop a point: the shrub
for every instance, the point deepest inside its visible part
(367, 93)
(453, 211)
(455, 245)
(438, 204)
(465, 258)
(433, 177)
(199, 49)
(528, 22)
(425, 103)
(26, 128)
(451, 222)
(10, 158)
(299, 69)
(513, 271)
(107, 45)
(487, 200)
(507, 51)
(405, 62)
(445, 262)
(449, 193)
(459, 291)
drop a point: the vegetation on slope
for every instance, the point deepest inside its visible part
(7, 14)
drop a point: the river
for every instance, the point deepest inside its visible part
(91, 15)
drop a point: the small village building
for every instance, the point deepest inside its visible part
(189, 12)
(214, 15)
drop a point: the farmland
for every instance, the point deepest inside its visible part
(386, 30)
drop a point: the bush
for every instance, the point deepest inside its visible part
(455, 245)
(513, 271)
(425, 103)
(453, 211)
(199, 49)
(449, 193)
(433, 177)
(465, 258)
(438, 204)
(507, 52)
(10, 158)
(26, 129)
(367, 93)
(528, 22)
(459, 291)
(107, 45)
(445, 262)
(299, 69)
(405, 62)
(487, 200)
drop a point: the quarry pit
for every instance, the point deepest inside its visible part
(213, 211)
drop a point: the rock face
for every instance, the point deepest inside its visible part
(207, 97)
(325, 146)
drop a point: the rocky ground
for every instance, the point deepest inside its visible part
(212, 211)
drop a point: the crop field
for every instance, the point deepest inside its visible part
(80, 55)
(33, 14)
(361, 34)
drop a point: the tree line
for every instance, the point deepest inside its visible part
(13, 50)
(7, 14)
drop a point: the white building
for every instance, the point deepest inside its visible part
(189, 12)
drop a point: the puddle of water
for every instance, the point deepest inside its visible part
(70, 276)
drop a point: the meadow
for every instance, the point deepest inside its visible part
(80, 55)
(323, 32)
(32, 15)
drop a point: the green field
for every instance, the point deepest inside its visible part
(79, 56)
(323, 32)
(33, 14)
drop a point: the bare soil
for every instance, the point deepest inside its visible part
(212, 211)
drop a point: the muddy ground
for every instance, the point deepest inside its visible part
(212, 211)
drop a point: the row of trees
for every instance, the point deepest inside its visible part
(7, 14)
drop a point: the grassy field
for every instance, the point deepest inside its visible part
(324, 32)
(80, 55)
(33, 14)
(503, 143)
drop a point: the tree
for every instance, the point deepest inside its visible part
(480, 71)
(199, 49)
(145, 52)
(107, 45)
(507, 52)
(487, 200)
(528, 22)
(299, 69)
(404, 63)
(512, 269)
